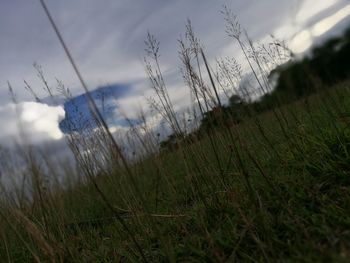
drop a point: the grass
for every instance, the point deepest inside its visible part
(271, 187)
(289, 206)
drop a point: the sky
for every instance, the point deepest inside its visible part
(106, 39)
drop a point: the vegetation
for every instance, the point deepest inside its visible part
(257, 180)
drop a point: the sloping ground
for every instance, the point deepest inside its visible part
(275, 187)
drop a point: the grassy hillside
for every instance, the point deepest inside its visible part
(270, 183)
(281, 196)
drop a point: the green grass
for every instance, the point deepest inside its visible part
(289, 203)
(265, 181)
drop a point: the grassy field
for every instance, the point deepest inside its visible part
(258, 194)
(258, 181)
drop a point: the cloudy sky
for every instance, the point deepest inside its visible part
(106, 38)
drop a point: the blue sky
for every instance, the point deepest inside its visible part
(106, 37)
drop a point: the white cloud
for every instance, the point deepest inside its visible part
(311, 8)
(326, 24)
(303, 40)
(30, 122)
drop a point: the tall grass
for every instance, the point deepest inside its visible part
(252, 182)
